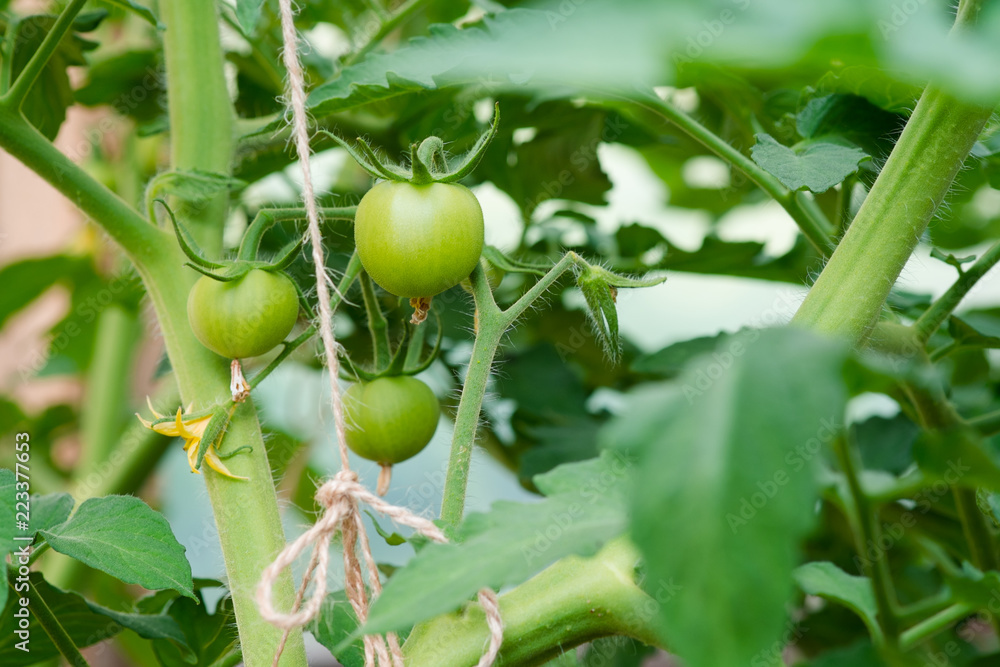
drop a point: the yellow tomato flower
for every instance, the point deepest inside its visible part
(191, 430)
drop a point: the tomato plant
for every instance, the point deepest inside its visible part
(713, 330)
(418, 240)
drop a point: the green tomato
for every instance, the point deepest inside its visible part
(418, 240)
(390, 419)
(245, 317)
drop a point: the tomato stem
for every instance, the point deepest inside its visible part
(377, 324)
(799, 205)
(493, 323)
(491, 328)
(573, 601)
(14, 97)
(848, 297)
(934, 317)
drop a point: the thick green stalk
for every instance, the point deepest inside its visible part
(934, 317)
(201, 121)
(201, 116)
(849, 294)
(141, 241)
(576, 600)
(107, 384)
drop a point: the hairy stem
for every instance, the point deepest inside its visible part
(201, 121)
(575, 600)
(803, 210)
(140, 240)
(377, 324)
(491, 328)
(939, 311)
(942, 620)
(848, 296)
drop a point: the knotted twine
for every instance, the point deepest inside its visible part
(340, 497)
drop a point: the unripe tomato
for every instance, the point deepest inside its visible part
(390, 419)
(418, 240)
(245, 317)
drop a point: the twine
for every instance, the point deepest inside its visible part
(340, 497)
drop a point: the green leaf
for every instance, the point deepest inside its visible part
(124, 537)
(509, 544)
(33, 277)
(195, 186)
(248, 14)
(887, 443)
(828, 581)
(211, 638)
(147, 626)
(393, 540)
(335, 624)
(810, 165)
(874, 84)
(861, 654)
(50, 510)
(130, 82)
(83, 625)
(671, 360)
(143, 12)
(959, 457)
(724, 488)
(45, 105)
(967, 336)
(7, 514)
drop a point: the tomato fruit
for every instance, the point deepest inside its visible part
(390, 419)
(418, 240)
(245, 317)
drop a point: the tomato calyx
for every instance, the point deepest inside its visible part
(428, 163)
(405, 360)
(229, 270)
